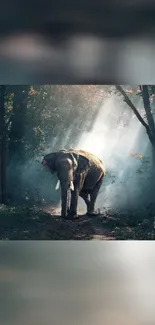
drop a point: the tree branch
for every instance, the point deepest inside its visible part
(146, 100)
(134, 109)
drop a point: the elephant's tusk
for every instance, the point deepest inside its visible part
(57, 185)
(71, 186)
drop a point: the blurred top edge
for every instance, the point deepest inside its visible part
(103, 20)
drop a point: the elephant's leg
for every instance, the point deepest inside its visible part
(85, 197)
(78, 185)
(64, 202)
(93, 197)
(68, 203)
(73, 205)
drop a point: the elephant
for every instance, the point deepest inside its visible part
(80, 173)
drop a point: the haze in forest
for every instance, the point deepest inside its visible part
(117, 137)
(117, 147)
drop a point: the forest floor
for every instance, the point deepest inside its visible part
(25, 223)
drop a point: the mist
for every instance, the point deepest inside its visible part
(115, 146)
(115, 135)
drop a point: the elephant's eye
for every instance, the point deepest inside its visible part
(44, 162)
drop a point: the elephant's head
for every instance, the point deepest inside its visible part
(66, 163)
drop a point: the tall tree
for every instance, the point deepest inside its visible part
(150, 119)
(2, 145)
(17, 132)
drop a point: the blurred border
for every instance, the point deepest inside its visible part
(77, 283)
(74, 42)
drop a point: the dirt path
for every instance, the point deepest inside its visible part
(25, 223)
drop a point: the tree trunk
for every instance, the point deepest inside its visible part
(3, 197)
(147, 107)
(18, 120)
(146, 101)
(150, 119)
(152, 180)
(153, 162)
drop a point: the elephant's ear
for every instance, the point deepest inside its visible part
(49, 161)
(83, 164)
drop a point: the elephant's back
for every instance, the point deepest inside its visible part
(96, 171)
(95, 162)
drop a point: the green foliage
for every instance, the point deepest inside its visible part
(41, 113)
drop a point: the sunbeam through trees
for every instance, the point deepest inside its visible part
(115, 123)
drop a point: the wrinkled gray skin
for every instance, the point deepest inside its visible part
(85, 170)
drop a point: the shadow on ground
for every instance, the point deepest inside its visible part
(25, 223)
